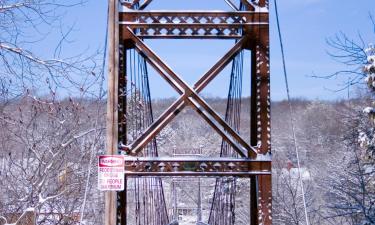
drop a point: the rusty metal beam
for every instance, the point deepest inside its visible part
(207, 31)
(261, 102)
(265, 200)
(192, 24)
(195, 166)
(136, 14)
(261, 192)
(200, 37)
(136, 25)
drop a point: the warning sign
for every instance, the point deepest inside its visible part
(111, 172)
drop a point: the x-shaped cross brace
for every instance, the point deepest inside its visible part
(188, 96)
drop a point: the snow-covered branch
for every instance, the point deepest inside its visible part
(4, 8)
(75, 137)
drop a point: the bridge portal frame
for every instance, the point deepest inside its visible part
(130, 28)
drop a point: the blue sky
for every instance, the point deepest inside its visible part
(306, 24)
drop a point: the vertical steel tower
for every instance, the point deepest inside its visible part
(130, 24)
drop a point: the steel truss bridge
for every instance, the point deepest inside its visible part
(132, 128)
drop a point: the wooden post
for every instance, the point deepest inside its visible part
(112, 110)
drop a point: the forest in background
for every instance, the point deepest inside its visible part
(46, 150)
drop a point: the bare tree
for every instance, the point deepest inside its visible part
(287, 195)
(48, 142)
(46, 170)
(24, 25)
(350, 198)
(353, 53)
(351, 195)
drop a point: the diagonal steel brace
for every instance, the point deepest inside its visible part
(191, 96)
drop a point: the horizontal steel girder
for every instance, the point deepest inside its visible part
(196, 166)
(192, 24)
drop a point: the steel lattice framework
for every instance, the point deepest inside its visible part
(251, 30)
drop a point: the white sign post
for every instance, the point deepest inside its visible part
(111, 172)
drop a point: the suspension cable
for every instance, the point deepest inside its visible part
(223, 204)
(148, 191)
(291, 112)
(101, 95)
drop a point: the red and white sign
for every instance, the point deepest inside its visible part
(111, 172)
